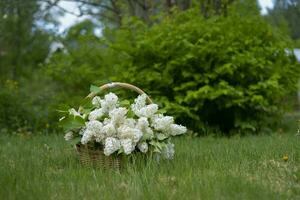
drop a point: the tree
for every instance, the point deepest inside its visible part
(25, 91)
(112, 12)
(286, 15)
(23, 44)
(231, 72)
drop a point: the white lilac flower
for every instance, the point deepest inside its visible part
(111, 97)
(95, 126)
(118, 115)
(143, 147)
(176, 129)
(130, 122)
(168, 151)
(142, 123)
(149, 133)
(128, 146)
(97, 129)
(147, 111)
(69, 136)
(125, 132)
(96, 101)
(96, 114)
(109, 130)
(87, 136)
(140, 108)
(110, 102)
(137, 135)
(162, 123)
(139, 102)
(111, 145)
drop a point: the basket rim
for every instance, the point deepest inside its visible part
(121, 85)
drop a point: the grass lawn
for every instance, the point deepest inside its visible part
(252, 167)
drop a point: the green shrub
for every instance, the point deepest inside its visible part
(231, 72)
(83, 60)
(80, 63)
(28, 104)
(14, 113)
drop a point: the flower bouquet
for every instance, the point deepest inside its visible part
(106, 128)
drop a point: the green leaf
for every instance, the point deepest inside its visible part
(120, 151)
(125, 103)
(161, 136)
(146, 136)
(86, 103)
(153, 143)
(161, 111)
(156, 144)
(72, 122)
(95, 89)
(62, 111)
(157, 150)
(63, 108)
(86, 110)
(130, 114)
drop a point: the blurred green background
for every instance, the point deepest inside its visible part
(219, 65)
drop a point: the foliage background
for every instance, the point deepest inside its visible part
(224, 67)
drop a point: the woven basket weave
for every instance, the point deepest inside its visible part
(95, 158)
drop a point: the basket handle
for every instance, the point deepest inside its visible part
(121, 85)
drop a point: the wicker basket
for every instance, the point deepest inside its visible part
(95, 158)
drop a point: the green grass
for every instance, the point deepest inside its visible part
(252, 167)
